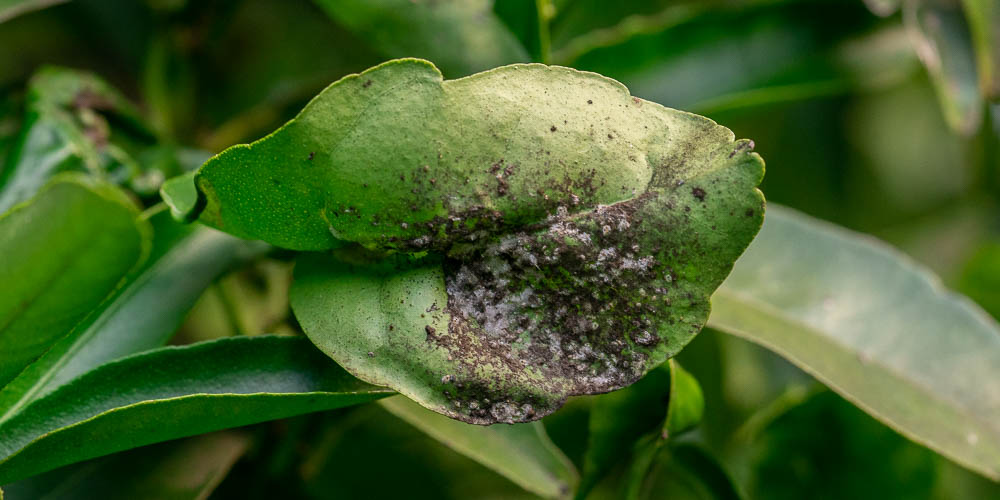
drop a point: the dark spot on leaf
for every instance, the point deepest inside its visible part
(553, 128)
(312, 154)
(699, 193)
(368, 83)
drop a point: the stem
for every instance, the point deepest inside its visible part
(544, 9)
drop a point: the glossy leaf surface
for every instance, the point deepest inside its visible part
(61, 254)
(142, 314)
(174, 392)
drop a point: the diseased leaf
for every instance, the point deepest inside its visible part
(185, 469)
(64, 129)
(460, 36)
(522, 453)
(61, 254)
(141, 315)
(174, 392)
(575, 231)
(876, 328)
(940, 34)
(666, 401)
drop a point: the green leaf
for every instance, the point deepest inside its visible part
(142, 314)
(10, 9)
(180, 194)
(460, 36)
(65, 129)
(687, 471)
(63, 252)
(632, 424)
(703, 56)
(575, 241)
(522, 453)
(875, 327)
(940, 34)
(174, 392)
(853, 457)
(185, 469)
(984, 22)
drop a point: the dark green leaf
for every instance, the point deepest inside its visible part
(980, 279)
(460, 36)
(662, 404)
(876, 328)
(703, 57)
(174, 392)
(185, 469)
(142, 314)
(686, 471)
(180, 194)
(63, 252)
(853, 457)
(522, 453)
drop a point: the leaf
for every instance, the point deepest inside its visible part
(663, 403)
(180, 194)
(63, 252)
(185, 469)
(622, 196)
(10, 9)
(876, 328)
(174, 392)
(687, 471)
(522, 453)
(65, 129)
(141, 315)
(460, 36)
(983, 17)
(854, 456)
(699, 55)
(940, 34)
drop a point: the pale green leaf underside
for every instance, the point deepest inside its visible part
(574, 232)
(875, 327)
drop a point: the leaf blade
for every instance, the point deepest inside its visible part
(876, 328)
(63, 252)
(174, 392)
(141, 315)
